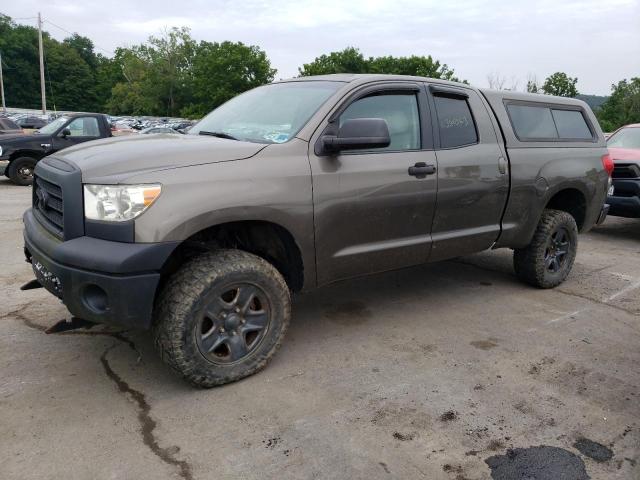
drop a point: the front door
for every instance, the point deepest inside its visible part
(370, 213)
(82, 129)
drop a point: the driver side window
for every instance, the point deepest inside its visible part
(84, 127)
(399, 110)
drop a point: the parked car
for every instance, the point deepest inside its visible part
(301, 183)
(624, 194)
(158, 130)
(24, 151)
(31, 122)
(8, 126)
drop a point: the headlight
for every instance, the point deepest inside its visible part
(0, 151)
(118, 203)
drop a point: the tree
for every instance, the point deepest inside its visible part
(223, 70)
(622, 107)
(70, 80)
(532, 84)
(159, 72)
(560, 84)
(70, 69)
(351, 60)
(19, 46)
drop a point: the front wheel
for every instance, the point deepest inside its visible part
(221, 317)
(547, 260)
(20, 170)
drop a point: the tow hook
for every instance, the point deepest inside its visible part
(73, 324)
(30, 285)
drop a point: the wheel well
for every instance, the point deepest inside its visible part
(265, 239)
(571, 201)
(20, 154)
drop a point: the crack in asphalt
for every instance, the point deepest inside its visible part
(577, 295)
(18, 313)
(147, 423)
(594, 300)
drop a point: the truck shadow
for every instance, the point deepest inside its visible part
(356, 301)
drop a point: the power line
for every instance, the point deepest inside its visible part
(73, 33)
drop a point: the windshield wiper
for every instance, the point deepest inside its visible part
(217, 134)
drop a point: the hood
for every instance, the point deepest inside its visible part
(625, 154)
(114, 159)
(15, 138)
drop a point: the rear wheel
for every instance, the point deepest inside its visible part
(547, 260)
(20, 170)
(222, 317)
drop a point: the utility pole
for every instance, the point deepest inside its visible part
(42, 85)
(4, 106)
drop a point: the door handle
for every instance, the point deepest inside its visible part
(421, 170)
(502, 165)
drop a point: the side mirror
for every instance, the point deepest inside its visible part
(359, 133)
(65, 132)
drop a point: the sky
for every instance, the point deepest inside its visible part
(597, 41)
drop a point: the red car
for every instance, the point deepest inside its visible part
(624, 194)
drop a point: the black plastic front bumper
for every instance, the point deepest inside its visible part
(98, 280)
(625, 202)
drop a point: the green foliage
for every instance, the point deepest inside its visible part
(594, 101)
(19, 46)
(223, 70)
(622, 107)
(70, 80)
(532, 87)
(351, 60)
(168, 75)
(560, 84)
(173, 75)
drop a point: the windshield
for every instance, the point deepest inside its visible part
(625, 138)
(270, 114)
(50, 128)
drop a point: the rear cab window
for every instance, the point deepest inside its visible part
(456, 124)
(551, 123)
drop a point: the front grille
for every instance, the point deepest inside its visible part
(47, 202)
(626, 170)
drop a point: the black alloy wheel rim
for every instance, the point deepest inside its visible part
(557, 251)
(233, 323)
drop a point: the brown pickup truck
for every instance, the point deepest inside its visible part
(290, 186)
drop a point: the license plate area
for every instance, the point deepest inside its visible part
(47, 279)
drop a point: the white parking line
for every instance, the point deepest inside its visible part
(625, 290)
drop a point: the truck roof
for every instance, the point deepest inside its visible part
(494, 95)
(370, 77)
(500, 95)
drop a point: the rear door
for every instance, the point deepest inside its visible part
(473, 177)
(370, 213)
